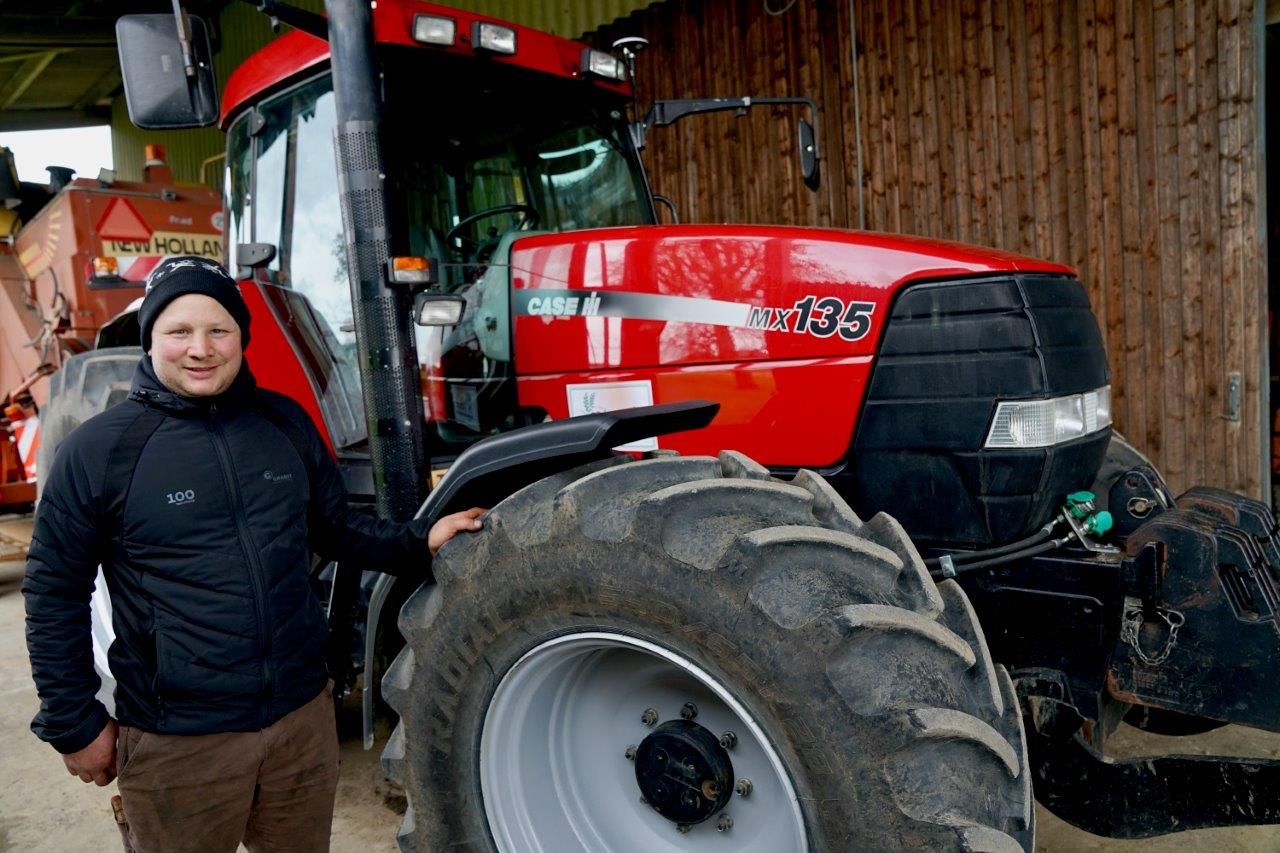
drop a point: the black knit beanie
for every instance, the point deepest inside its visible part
(183, 274)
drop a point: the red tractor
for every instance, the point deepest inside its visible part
(680, 646)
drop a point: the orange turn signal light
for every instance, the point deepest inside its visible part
(106, 267)
(410, 263)
(410, 269)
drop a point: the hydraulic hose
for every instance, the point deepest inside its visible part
(1012, 547)
(954, 570)
(1080, 515)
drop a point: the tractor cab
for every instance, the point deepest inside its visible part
(498, 152)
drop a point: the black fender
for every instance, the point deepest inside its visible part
(501, 465)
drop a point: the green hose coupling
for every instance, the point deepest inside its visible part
(1098, 523)
(1080, 504)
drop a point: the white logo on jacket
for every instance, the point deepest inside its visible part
(182, 496)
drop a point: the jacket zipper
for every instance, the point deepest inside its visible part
(250, 554)
(153, 639)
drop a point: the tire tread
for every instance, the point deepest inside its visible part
(906, 666)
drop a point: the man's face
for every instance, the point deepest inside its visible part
(195, 346)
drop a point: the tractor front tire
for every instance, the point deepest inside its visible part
(624, 645)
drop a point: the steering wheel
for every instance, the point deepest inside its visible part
(528, 219)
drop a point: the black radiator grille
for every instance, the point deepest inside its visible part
(950, 351)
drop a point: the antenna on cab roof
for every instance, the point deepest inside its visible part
(629, 47)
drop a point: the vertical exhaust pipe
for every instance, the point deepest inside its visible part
(384, 331)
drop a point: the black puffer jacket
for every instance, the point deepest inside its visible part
(206, 560)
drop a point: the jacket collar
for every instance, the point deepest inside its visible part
(149, 390)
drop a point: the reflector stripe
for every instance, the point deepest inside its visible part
(635, 306)
(27, 435)
(137, 267)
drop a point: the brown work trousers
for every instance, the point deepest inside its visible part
(273, 789)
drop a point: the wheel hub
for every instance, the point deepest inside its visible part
(684, 772)
(557, 736)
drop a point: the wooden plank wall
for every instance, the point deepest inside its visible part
(1117, 136)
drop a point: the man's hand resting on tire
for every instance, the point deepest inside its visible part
(449, 526)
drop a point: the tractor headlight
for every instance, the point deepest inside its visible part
(1042, 423)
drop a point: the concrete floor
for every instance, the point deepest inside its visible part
(42, 808)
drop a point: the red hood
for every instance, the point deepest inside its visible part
(728, 278)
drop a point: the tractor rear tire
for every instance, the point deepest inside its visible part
(865, 710)
(87, 384)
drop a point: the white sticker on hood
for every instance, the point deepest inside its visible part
(589, 398)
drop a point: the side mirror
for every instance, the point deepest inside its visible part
(168, 80)
(809, 169)
(438, 309)
(254, 255)
(662, 113)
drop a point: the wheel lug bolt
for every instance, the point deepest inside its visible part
(682, 828)
(649, 717)
(631, 753)
(728, 740)
(724, 824)
(689, 711)
(744, 787)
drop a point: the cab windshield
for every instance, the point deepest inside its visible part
(501, 152)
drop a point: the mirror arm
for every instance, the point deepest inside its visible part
(184, 37)
(300, 19)
(662, 113)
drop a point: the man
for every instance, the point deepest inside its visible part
(202, 497)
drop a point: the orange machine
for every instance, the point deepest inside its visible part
(73, 255)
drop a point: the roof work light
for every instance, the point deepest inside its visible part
(600, 64)
(493, 38)
(434, 29)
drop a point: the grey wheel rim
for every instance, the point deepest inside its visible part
(553, 768)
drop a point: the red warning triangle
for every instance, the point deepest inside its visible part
(121, 222)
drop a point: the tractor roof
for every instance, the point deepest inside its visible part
(297, 52)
